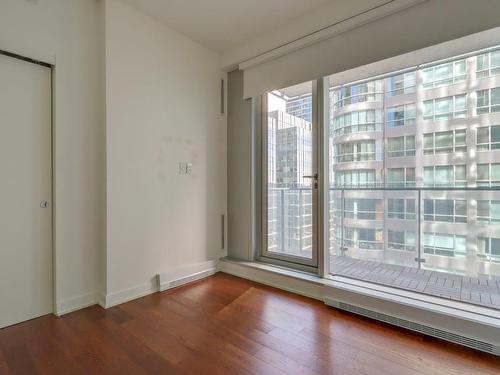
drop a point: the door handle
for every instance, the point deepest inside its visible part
(314, 176)
(315, 180)
(44, 204)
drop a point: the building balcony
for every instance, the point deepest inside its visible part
(452, 251)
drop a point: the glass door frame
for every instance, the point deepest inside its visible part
(316, 263)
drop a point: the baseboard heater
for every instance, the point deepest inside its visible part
(417, 327)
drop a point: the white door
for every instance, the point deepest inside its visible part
(25, 183)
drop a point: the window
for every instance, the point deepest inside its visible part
(488, 64)
(488, 101)
(361, 92)
(403, 83)
(363, 238)
(401, 240)
(445, 142)
(415, 156)
(288, 133)
(488, 211)
(401, 177)
(356, 178)
(401, 146)
(355, 151)
(445, 176)
(401, 115)
(444, 74)
(488, 138)
(401, 209)
(446, 108)
(357, 121)
(488, 175)
(449, 245)
(363, 209)
(488, 248)
(445, 210)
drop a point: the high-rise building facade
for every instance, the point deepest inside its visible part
(414, 160)
(434, 126)
(289, 199)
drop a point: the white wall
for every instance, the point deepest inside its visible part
(67, 34)
(162, 108)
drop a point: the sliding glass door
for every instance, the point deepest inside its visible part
(290, 175)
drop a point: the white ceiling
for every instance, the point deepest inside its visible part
(221, 24)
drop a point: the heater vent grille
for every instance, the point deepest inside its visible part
(417, 327)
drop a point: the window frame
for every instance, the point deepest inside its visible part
(309, 265)
(455, 78)
(488, 108)
(456, 183)
(454, 147)
(453, 114)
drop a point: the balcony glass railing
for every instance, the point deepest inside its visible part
(447, 230)
(358, 156)
(290, 221)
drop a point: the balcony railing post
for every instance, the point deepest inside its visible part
(282, 218)
(300, 219)
(342, 213)
(419, 224)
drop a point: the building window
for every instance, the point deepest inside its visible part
(401, 177)
(446, 108)
(354, 151)
(488, 101)
(445, 176)
(356, 178)
(445, 210)
(300, 106)
(358, 93)
(363, 238)
(401, 240)
(449, 245)
(445, 142)
(488, 64)
(488, 175)
(401, 146)
(401, 209)
(444, 74)
(488, 138)
(401, 115)
(363, 209)
(488, 212)
(358, 121)
(400, 84)
(488, 248)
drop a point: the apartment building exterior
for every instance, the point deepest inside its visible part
(436, 127)
(289, 194)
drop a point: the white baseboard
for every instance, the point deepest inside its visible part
(291, 281)
(76, 303)
(170, 279)
(122, 296)
(186, 274)
(101, 300)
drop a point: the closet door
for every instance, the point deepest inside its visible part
(26, 287)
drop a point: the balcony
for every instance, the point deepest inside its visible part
(436, 241)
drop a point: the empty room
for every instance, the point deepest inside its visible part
(250, 187)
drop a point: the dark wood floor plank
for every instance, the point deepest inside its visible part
(227, 325)
(4, 367)
(19, 360)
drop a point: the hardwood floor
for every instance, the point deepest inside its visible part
(226, 325)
